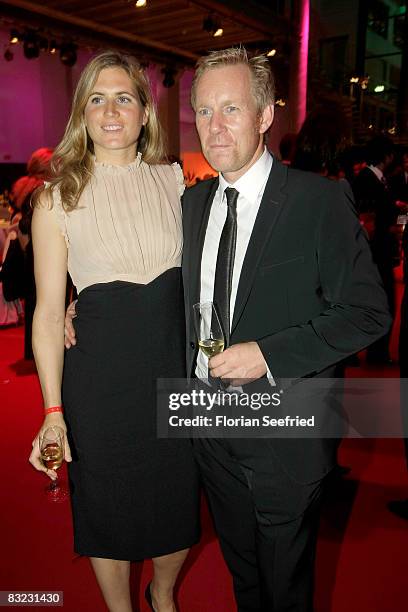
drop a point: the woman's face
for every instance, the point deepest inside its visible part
(114, 117)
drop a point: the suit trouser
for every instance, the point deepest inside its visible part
(267, 525)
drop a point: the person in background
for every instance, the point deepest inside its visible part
(17, 271)
(38, 169)
(400, 506)
(378, 212)
(111, 214)
(286, 148)
(322, 141)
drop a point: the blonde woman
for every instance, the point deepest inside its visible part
(111, 216)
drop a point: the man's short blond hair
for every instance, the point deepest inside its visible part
(263, 82)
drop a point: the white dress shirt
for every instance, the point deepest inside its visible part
(251, 187)
(378, 173)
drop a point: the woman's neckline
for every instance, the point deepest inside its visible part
(118, 168)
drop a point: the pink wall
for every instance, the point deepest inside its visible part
(34, 101)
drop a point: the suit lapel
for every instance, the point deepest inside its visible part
(199, 227)
(269, 211)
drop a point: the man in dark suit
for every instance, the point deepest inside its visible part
(399, 183)
(303, 295)
(374, 199)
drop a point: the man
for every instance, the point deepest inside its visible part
(399, 183)
(374, 199)
(400, 506)
(302, 295)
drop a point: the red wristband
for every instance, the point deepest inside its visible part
(53, 409)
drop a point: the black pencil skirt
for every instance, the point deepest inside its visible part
(133, 496)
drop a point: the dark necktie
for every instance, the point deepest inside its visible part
(225, 264)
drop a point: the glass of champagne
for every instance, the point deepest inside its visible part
(51, 443)
(208, 329)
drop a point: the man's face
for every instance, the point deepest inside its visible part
(228, 124)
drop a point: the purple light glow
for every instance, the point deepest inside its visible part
(303, 60)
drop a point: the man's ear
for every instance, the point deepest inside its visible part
(266, 118)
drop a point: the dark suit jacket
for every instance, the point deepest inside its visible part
(309, 293)
(399, 188)
(372, 196)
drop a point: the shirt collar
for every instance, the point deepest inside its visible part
(257, 175)
(378, 173)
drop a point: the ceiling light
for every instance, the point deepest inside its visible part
(31, 45)
(68, 54)
(43, 43)
(271, 53)
(140, 3)
(212, 26)
(14, 37)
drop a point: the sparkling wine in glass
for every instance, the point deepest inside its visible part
(51, 443)
(208, 329)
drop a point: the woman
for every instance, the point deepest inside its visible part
(111, 214)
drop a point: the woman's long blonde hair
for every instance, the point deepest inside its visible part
(72, 163)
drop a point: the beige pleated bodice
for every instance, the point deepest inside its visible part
(127, 225)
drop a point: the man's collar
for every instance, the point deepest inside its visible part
(252, 182)
(378, 173)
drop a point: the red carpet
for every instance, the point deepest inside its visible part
(362, 563)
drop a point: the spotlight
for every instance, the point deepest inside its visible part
(212, 26)
(68, 54)
(169, 74)
(140, 3)
(31, 45)
(43, 43)
(8, 55)
(14, 37)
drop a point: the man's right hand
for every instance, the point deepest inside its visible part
(69, 331)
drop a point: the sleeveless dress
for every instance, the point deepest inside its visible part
(133, 496)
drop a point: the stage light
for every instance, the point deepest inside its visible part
(354, 80)
(280, 102)
(43, 43)
(68, 54)
(14, 37)
(379, 88)
(8, 55)
(31, 45)
(140, 3)
(212, 26)
(52, 47)
(271, 53)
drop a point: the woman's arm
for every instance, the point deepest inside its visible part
(50, 268)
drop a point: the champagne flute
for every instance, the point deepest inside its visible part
(51, 442)
(208, 329)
